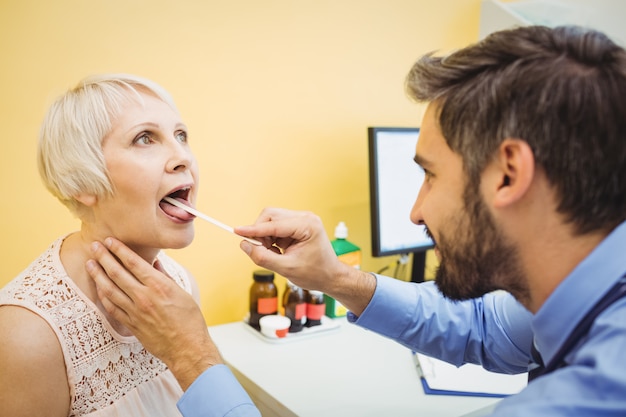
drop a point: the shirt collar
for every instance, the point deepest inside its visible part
(579, 292)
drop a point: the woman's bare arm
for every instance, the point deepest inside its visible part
(33, 381)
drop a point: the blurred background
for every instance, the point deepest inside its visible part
(277, 94)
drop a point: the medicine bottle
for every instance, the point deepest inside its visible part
(315, 307)
(263, 297)
(348, 253)
(295, 306)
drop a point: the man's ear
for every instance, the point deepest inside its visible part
(516, 166)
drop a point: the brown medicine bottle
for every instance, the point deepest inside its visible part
(263, 297)
(295, 306)
(315, 307)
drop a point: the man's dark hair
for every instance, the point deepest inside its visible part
(562, 90)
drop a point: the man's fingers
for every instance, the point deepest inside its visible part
(115, 301)
(127, 269)
(283, 229)
(269, 258)
(114, 309)
(112, 269)
(139, 269)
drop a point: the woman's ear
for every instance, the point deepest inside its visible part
(85, 199)
(515, 162)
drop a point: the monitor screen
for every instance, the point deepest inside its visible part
(395, 180)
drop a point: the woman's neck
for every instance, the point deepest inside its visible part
(74, 253)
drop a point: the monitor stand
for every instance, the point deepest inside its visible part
(419, 266)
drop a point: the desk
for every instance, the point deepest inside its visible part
(348, 371)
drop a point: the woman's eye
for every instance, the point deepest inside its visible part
(143, 139)
(181, 137)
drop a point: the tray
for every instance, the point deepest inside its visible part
(328, 325)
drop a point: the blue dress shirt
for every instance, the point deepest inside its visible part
(217, 393)
(497, 332)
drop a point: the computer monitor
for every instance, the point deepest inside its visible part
(395, 180)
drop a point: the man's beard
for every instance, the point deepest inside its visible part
(475, 257)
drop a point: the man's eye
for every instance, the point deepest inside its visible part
(181, 137)
(427, 174)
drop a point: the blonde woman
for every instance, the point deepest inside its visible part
(110, 149)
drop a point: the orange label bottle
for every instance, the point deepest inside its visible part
(263, 297)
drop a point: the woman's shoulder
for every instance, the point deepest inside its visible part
(26, 332)
(32, 363)
(43, 278)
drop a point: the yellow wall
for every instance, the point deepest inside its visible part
(277, 95)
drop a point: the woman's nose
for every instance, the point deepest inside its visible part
(181, 157)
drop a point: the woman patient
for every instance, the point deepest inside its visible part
(110, 149)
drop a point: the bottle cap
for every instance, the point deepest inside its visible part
(341, 231)
(262, 275)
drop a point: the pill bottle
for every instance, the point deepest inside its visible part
(263, 297)
(348, 253)
(315, 307)
(295, 306)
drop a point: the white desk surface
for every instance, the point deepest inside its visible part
(347, 372)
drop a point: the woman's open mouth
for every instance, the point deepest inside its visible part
(181, 195)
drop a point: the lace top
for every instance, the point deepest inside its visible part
(108, 374)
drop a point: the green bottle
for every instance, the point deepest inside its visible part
(348, 253)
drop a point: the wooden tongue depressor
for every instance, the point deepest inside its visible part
(209, 219)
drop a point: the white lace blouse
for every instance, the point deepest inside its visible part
(108, 374)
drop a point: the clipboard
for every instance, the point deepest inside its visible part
(441, 378)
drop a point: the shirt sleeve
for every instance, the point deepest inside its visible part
(217, 393)
(419, 317)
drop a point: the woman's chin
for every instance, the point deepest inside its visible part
(181, 243)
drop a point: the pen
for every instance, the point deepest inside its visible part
(418, 367)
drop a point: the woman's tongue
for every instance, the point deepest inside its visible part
(175, 211)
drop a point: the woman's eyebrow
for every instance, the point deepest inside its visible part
(143, 126)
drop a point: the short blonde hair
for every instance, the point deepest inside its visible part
(69, 154)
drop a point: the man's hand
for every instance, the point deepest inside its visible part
(165, 318)
(297, 247)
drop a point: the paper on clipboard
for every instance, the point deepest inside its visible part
(441, 378)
